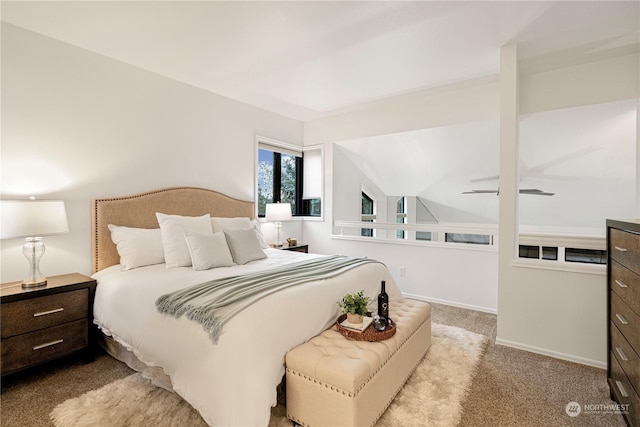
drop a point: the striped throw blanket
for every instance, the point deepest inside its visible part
(214, 303)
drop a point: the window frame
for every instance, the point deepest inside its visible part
(302, 206)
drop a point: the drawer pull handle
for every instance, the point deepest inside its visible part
(618, 248)
(44, 313)
(49, 344)
(622, 319)
(623, 392)
(621, 284)
(622, 355)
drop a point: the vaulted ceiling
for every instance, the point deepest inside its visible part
(309, 59)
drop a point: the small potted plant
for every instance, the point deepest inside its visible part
(354, 306)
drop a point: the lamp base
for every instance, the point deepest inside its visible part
(33, 250)
(34, 283)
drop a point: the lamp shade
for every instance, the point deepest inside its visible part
(32, 218)
(278, 212)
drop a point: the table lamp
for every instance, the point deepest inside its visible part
(32, 219)
(278, 212)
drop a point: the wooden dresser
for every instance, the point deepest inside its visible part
(623, 297)
(42, 324)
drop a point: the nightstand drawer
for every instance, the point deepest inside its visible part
(626, 320)
(29, 349)
(42, 312)
(625, 248)
(627, 357)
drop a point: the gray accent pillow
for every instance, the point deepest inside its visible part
(244, 246)
(208, 251)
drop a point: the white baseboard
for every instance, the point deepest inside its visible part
(551, 353)
(451, 303)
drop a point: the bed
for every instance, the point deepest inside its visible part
(233, 381)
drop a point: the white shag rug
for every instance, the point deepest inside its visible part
(431, 397)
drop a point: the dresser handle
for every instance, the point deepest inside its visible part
(622, 319)
(44, 313)
(618, 248)
(49, 344)
(622, 355)
(621, 284)
(623, 392)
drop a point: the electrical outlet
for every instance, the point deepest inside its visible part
(403, 271)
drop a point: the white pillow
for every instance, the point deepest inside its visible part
(237, 223)
(244, 246)
(255, 225)
(173, 227)
(208, 251)
(137, 247)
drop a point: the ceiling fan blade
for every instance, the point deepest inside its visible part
(480, 192)
(535, 192)
(532, 191)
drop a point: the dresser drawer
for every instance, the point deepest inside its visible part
(626, 284)
(626, 320)
(627, 357)
(29, 315)
(625, 394)
(39, 346)
(625, 248)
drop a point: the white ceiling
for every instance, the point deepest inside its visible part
(307, 59)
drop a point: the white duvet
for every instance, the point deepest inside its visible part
(232, 383)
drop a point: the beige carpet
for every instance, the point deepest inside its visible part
(431, 397)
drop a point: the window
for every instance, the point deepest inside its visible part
(550, 253)
(530, 251)
(368, 214)
(277, 179)
(401, 216)
(474, 239)
(554, 253)
(282, 178)
(589, 256)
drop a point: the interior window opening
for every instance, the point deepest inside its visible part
(367, 214)
(401, 216)
(474, 239)
(589, 256)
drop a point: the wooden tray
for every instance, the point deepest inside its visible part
(369, 334)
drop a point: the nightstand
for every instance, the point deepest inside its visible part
(41, 324)
(296, 248)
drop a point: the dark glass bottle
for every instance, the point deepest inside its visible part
(383, 302)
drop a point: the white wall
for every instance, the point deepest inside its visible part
(77, 126)
(559, 313)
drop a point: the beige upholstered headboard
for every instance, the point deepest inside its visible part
(139, 211)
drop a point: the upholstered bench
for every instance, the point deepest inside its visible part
(335, 381)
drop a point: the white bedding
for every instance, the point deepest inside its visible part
(234, 382)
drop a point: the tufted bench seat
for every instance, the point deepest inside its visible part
(335, 381)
